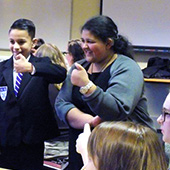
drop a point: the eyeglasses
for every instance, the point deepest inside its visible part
(164, 115)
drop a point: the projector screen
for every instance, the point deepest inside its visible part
(143, 22)
(51, 17)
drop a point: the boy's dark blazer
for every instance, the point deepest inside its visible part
(28, 118)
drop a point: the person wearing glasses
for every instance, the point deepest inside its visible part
(75, 52)
(164, 120)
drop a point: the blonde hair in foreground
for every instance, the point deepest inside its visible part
(125, 146)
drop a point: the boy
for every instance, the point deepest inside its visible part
(26, 116)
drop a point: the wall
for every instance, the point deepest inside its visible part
(144, 22)
(4, 54)
(81, 11)
(52, 19)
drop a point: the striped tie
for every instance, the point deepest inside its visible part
(17, 83)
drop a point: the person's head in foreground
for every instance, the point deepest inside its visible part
(124, 146)
(164, 120)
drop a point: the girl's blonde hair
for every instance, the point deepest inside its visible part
(55, 55)
(126, 146)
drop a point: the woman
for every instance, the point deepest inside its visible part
(107, 85)
(164, 120)
(75, 52)
(121, 146)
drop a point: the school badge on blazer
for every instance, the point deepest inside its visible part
(3, 92)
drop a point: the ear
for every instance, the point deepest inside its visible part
(35, 40)
(109, 43)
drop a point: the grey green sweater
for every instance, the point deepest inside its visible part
(123, 99)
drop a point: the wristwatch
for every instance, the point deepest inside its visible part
(85, 89)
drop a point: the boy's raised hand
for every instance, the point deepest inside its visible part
(21, 64)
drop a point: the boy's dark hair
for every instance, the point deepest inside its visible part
(24, 24)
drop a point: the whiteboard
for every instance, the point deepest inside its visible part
(143, 22)
(52, 19)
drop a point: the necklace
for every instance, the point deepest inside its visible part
(91, 70)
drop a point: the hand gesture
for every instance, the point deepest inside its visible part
(79, 76)
(81, 142)
(21, 64)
